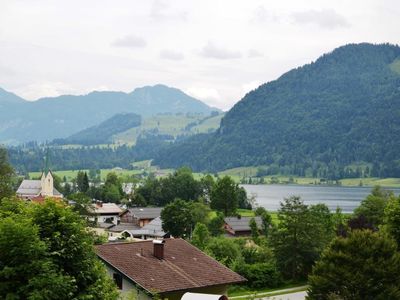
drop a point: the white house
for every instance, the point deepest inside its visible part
(105, 213)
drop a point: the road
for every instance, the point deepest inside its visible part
(284, 294)
(291, 296)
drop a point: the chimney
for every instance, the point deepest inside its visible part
(158, 248)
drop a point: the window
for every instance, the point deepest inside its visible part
(118, 280)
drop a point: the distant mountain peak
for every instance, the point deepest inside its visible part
(9, 97)
(72, 113)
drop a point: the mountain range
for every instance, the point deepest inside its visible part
(315, 120)
(60, 117)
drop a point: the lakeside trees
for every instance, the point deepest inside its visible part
(363, 262)
(300, 236)
(223, 194)
(373, 207)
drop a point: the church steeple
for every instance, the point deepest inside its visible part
(47, 181)
(46, 169)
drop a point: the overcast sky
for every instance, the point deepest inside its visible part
(213, 50)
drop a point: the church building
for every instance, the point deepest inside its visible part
(37, 190)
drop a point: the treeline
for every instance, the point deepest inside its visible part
(222, 192)
(29, 157)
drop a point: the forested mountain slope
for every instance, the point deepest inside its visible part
(103, 133)
(341, 109)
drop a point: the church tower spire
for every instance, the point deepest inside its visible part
(46, 169)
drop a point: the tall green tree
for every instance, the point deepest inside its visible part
(207, 183)
(70, 247)
(299, 237)
(6, 175)
(265, 218)
(254, 230)
(365, 265)
(46, 252)
(201, 236)
(177, 218)
(26, 272)
(112, 188)
(392, 218)
(373, 207)
(216, 225)
(224, 196)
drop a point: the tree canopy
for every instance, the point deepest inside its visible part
(6, 175)
(46, 252)
(300, 236)
(365, 265)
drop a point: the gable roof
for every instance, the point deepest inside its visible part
(105, 208)
(122, 227)
(183, 267)
(154, 228)
(145, 212)
(30, 187)
(33, 188)
(242, 223)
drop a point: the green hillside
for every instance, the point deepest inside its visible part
(315, 120)
(169, 124)
(104, 132)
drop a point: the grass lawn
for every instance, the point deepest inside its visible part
(250, 213)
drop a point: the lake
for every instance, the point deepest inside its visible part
(348, 198)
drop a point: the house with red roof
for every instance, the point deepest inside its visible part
(168, 268)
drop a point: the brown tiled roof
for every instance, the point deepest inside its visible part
(183, 267)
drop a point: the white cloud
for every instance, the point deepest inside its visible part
(130, 41)
(49, 89)
(326, 18)
(171, 55)
(253, 53)
(213, 51)
(49, 48)
(203, 93)
(261, 14)
(161, 11)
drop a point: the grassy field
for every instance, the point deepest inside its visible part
(209, 124)
(385, 182)
(238, 173)
(168, 124)
(71, 174)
